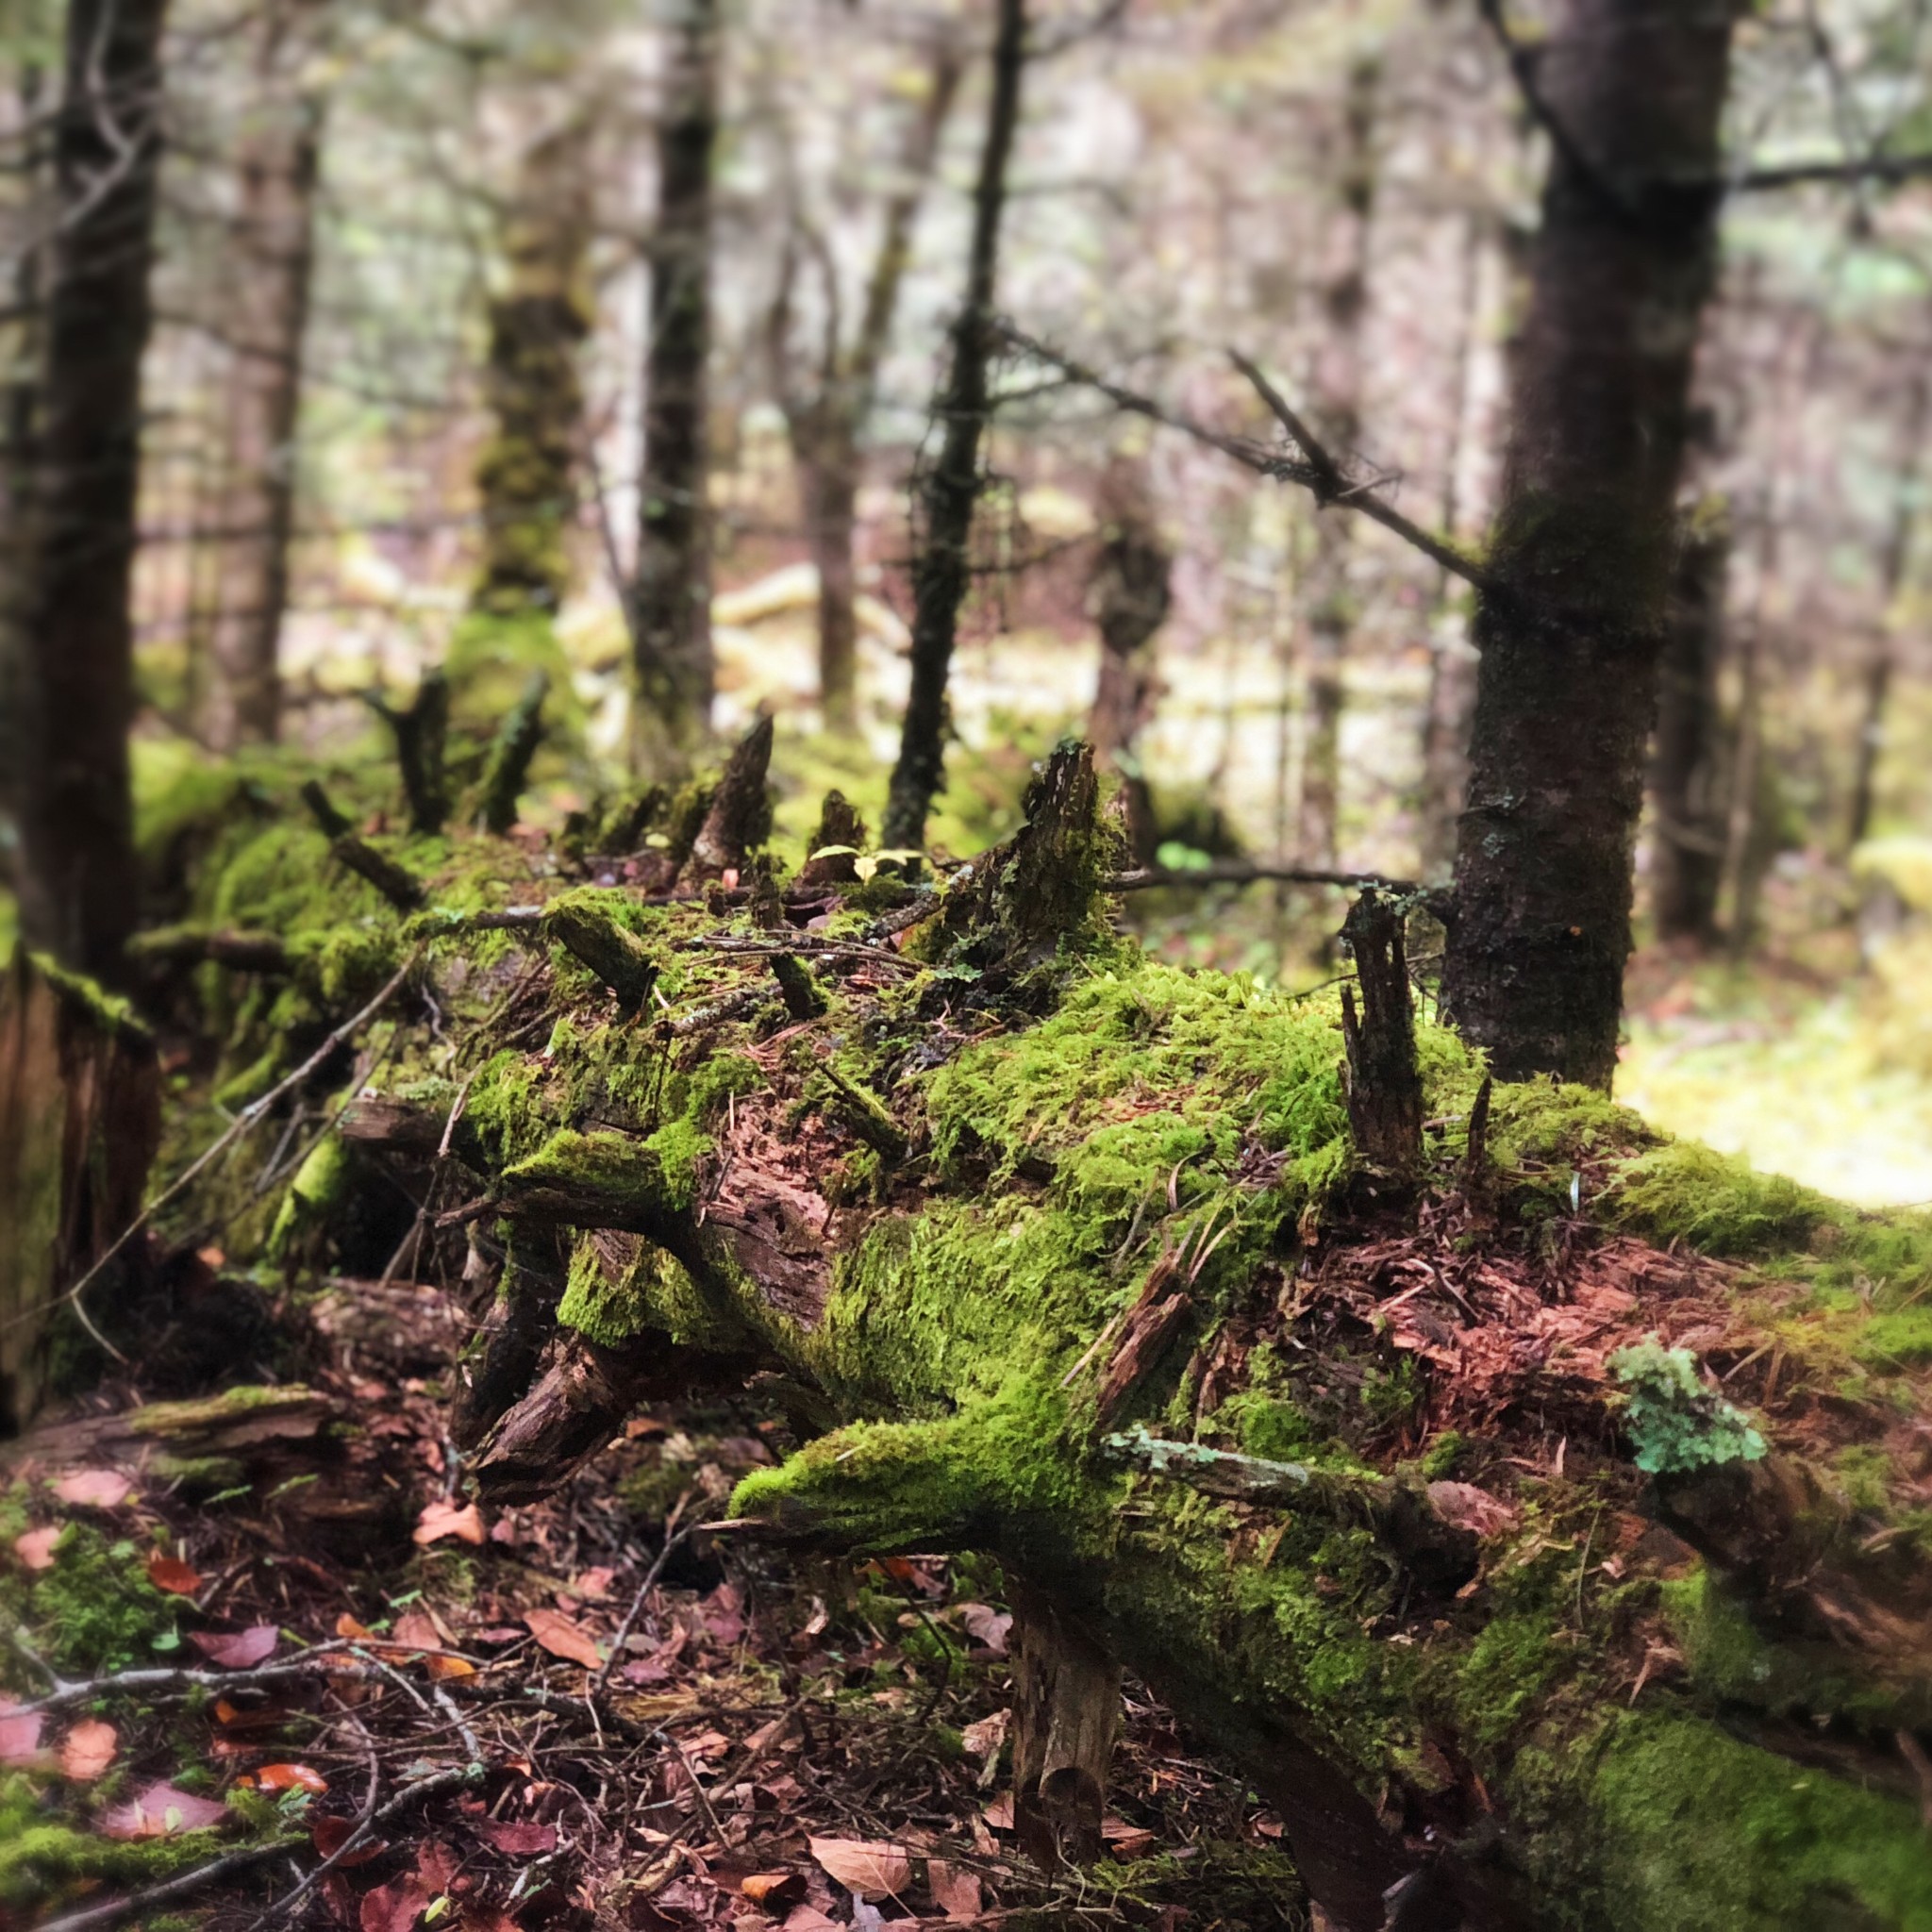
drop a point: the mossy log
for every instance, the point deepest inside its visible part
(1549, 1539)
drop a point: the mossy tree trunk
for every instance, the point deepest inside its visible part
(1538, 1568)
(1571, 625)
(671, 595)
(77, 892)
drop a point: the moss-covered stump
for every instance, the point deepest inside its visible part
(1548, 1539)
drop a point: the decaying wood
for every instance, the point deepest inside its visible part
(741, 814)
(239, 1423)
(1066, 1715)
(422, 731)
(510, 752)
(79, 1125)
(1385, 1084)
(396, 882)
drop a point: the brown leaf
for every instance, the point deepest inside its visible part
(159, 1811)
(36, 1547)
(561, 1638)
(520, 1840)
(984, 1738)
(865, 1866)
(772, 1888)
(329, 1835)
(290, 1778)
(999, 1814)
(809, 1919)
(955, 1889)
(170, 1573)
(20, 1735)
(88, 1750)
(237, 1650)
(440, 1520)
(991, 1627)
(94, 1488)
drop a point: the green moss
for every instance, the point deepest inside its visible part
(1698, 1829)
(1505, 1671)
(94, 1611)
(1899, 1340)
(679, 1147)
(321, 1185)
(1685, 1192)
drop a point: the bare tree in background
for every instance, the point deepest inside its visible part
(1687, 806)
(950, 488)
(1129, 596)
(279, 167)
(826, 412)
(1337, 409)
(79, 897)
(1570, 624)
(671, 598)
(526, 475)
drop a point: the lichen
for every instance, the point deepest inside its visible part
(1677, 1425)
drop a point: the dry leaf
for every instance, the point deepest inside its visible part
(159, 1811)
(955, 1891)
(170, 1573)
(763, 1888)
(36, 1548)
(991, 1627)
(984, 1738)
(88, 1750)
(561, 1638)
(440, 1520)
(864, 1866)
(237, 1650)
(290, 1778)
(999, 1814)
(1463, 1506)
(809, 1919)
(20, 1735)
(520, 1840)
(94, 1488)
(330, 1834)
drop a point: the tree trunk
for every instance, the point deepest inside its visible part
(1331, 604)
(527, 475)
(828, 473)
(1570, 628)
(950, 489)
(77, 880)
(1442, 1517)
(1687, 858)
(670, 599)
(1892, 577)
(280, 164)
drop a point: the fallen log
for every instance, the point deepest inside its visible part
(1545, 1537)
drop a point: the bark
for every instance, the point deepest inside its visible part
(1570, 626)
(1687, 858)
(950, 489)
(1385, 1084)
(1337, 417)
(279, 167)
(1050, 1249)
(528, 475)
(826, 419)
(1892, 580)
(77, 875)
(671, 598)
(79, 1123)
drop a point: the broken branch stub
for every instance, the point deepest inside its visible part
(421, 734)
(1066, 1713)
(396, 883)
(1385, 1084)
(515, 746)
(739, 818)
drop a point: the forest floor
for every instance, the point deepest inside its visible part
(673, 1729)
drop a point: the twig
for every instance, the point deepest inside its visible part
(671, 1538)
(233, 1132)
(172, 1888)
(1242, 871)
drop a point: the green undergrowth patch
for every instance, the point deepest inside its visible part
(93, 1610)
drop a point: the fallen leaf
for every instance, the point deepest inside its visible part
(520, 1840)
(20, 1735)
(255, 1717)
(440, 1520)
(159, 1811)
(864, 1866)
(170, 1573)
(237, 1650)
(984, 1738)
(423, 1632)
(724, 1613)
(999, 1814)
(991, 1627)
(94, 1488)
(593, 1585)
(763, 1888)
(809, 1919)
(36, 1547)
(955, 1891)
(329, 1835)
(561, 1638)
(290, 1778)
(1463, 1506)
(88, 1750)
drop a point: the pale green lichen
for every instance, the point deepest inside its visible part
(1676, 1424)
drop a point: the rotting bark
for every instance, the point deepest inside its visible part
(1687, 857)
(1398, 1502)
(1385, 1084)
(827, 416)
(1066, 1715)
(77, 889)
(949, 491)
(1570, 623)
(280, 168)
(1337, 409)
(671, 597)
